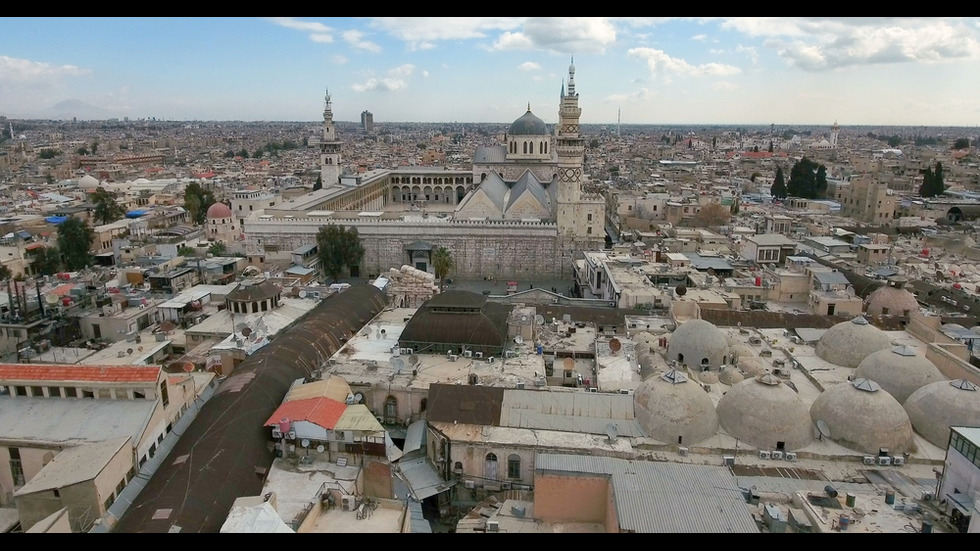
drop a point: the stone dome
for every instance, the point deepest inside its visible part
(889, 300)
(937, 406)
(698, 343)
(731, 376)
(708, 377)
(219, 210)
(673, 409)
(863, 417)
(765, 413)
(849, 342)
(899, 371)
(751, 366)
(741, 351)
(528, 125)
(88, 182)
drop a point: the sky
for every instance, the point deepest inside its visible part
(876, 71)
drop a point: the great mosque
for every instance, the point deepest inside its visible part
(519, 213)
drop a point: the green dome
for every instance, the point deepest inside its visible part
(528, 125)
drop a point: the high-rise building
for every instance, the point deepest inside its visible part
(367, 122)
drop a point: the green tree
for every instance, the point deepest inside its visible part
(48, 153)
(770, 146)
(197, 201)
(778, 189)
(932, 181)
(5, 273)
(962, 143)
(338, 248)
(95, 147)
(442, 263)
(319, 182)
(243, 154)
(75, 239)
(229, 154)
(218, 249)
(594, 143)
(107, 210)
(712, 214)
(45, 260)
(893, 141)
(186, 251)
(82, 150)
(804, 182)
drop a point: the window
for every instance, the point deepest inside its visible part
(164, 397)
(490, 467)
(514, 466)
(16, 469)
(589, 218)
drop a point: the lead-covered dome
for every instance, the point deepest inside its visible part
(88, 182)
(698, 343)
(937, 406)
(766, 413)
(861, 416)
(849, 342)
(528, 125)
(899, 370)
(674, 409)
(891, 300)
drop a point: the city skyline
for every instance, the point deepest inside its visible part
(758, 71)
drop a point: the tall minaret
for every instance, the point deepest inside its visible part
(570, 147)
(329, 146)
(834, 133)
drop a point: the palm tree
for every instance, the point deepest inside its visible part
(442, 263)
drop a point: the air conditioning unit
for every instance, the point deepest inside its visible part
(729, 460)
(520, 386)
(276, 434)
(490, 360)
(593, 389)
(492, 526)
(469, 484)
(468, 353)
(869, 460)
(682, 451)
(884, 461)
(928, 496)
(898, 460)
(479, 354)
(348, 502)
(505, 485)
(790, 456)
(765, 454)
(453, 357)
(777, 454)
(625, 391)
(292, 435)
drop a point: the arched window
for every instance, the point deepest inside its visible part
(525, 147)
(391, 407)
(490, 467)
(514, 466)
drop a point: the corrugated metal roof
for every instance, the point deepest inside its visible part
(74, 465)
(333, 387)
(469, 404)
(417, 522)
(665, 497)
(358, 417)
(422, 478)
(72, 421)
(586, 412)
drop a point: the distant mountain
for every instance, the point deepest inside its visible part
(70, 109)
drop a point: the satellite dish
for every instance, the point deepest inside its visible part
(129, 350)
(51, 298)
(320, 448)
(539, 320)
(358, 398)
(413, 360)
(188, 367)
(397, 364)
(569, 364)
(246, 331)
(305, 443)
(302, 294)
(823, 428)
(615, 345)
(611, 431)
(519, 339)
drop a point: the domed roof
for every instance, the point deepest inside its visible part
(764, 412)
(937, 406)
(708, 377)
(862, 417)
(849, 342)
(219, 210)
(88, 182)
(528, 125)
(698, 343)
(741, 351)
(751, 366)
(669, 406)
(731, 376)
(899, 370)
(888, 300)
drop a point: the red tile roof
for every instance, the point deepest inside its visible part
(321, 411)
(88, 373)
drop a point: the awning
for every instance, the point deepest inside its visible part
(962, 502)
(422, 478)
(55, 219)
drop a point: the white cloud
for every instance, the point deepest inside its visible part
(26, 71)
(339, 59)
(318, 31)
(425, 74)
(529, 66)
(422, 33)
(396, 80)
(566, 35)
(699, 37)
(659, 62)
(356, 39)
(639, 96)
(724, 86)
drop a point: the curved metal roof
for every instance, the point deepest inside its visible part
(528, 125)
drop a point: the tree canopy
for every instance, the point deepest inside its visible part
(197, 201)
(442, 263)
(778, 189)
(338, 248)
(962, 143)
(807, 180)
(45, 261)
(75, 239)
(107, 210)
(712, 214)
(932, 181)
